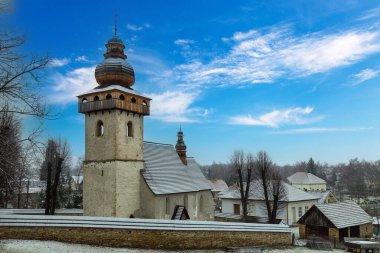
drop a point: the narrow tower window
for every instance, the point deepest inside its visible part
(84, 100)
(185, 201)
(129, 129)
(167, 206)
(99, 128)
(121, 97)
(144, 103)
(133, 100)
(96, 98)
(109, 96)
(201, 204)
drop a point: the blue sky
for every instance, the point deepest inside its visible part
(298, 79)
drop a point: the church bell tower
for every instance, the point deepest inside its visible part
(114, 123)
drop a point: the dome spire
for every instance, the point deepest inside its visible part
(115, 25)
(114, 69)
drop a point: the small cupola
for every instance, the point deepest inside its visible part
(181, 147)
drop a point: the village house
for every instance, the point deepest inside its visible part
(336, 221)
(123, 175)
(293, 205)
(307, 182)
(218, 185)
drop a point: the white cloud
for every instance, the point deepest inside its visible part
(323, 130)
(183, 42)
(265, 56)
(81, 58)
(56, 63)
(276, 118)
(137, 28)
(365, 75)
(373, 13)
(71, 84)
(175, 106)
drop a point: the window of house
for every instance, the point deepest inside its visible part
(144, 103)
(121, 97)
(299, 211)
(96, 98)
(99, 128)
(109, 96)
(306, 208)
(129, 129)
(84, 100)
(133, 100)
(237, 209)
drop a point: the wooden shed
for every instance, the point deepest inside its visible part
(335, 221)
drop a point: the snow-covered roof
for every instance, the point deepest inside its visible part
(165, 173)
(110, 88)
(138, 224)
(256, 193)
(218, 185)
(305, 178)
(322, 195)
(345, 214)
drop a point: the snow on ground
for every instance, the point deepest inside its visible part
(30, 246)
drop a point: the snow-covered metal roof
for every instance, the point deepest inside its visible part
(218, 185)
(345, 214)
(256, 193)
(305, 178)
(126, 223)
(165, 173)
(109, 88)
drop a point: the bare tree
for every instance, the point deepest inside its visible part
(243, 164)
(57, 160)
(272, 185)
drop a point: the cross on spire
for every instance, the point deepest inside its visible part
(115, 26)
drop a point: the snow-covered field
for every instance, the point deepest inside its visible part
(29, 246)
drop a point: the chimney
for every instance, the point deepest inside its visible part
(180, 147)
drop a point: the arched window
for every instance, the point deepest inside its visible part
(167, 206)
(99, 128)
(121, 97)
(144, 103)
(84, 100)
(133, 100)
(109, 96)
(129, 129)
(96, 98)
(185, 201)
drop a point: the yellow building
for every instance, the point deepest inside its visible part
(307, 182)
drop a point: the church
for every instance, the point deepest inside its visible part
(125, 176)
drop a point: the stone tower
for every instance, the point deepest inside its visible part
(181, 147)
(114, 114)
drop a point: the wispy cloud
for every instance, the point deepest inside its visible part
(56, 63)
(276, 118)
(263, 56)
(175, 106)
(373, 13)
(322, 130)
(81, 58)
(364, 75)
(137, 28)
(183, 42)
(69, 85)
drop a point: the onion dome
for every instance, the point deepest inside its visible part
(115, 69)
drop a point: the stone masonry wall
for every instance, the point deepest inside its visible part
(152, 239)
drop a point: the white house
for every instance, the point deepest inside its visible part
(307, 182)
(293, 205)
